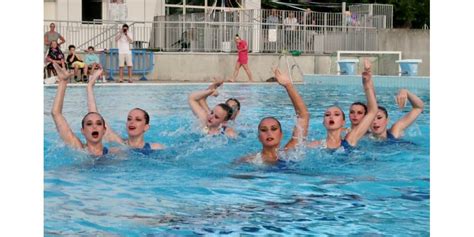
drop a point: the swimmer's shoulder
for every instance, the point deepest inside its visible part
(394, 135)
(230, 132)
(252, 159)
(317, 143)
(246, 159)
(114, 150)
(157, 146)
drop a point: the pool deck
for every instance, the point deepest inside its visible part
(380, 80)
(164, 83)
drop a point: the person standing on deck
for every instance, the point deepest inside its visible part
(242, 60)
(124, 40)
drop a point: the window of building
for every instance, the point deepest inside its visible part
(91, 10)
(196, 2)
(175, 2)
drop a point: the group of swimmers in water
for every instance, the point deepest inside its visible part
(370, 119)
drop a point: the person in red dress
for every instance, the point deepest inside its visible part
(242, 60)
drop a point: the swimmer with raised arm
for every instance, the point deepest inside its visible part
(213, 121)
(93, 124)
(378, 127)
(334, 119)
(233, 103)
(138, 122)
(270, 132)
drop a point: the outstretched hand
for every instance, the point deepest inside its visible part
(93, 77)
(401, 98)
(282, 78)
(367, 74)
(367, 65)
(217, 82)
(63, 74)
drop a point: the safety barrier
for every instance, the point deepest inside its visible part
(143, 62)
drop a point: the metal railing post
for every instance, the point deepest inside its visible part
(325, 35)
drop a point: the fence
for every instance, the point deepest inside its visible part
(376, 15)
(100, 34)
(265, 31)
(143, 62)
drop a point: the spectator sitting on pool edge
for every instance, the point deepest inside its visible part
(54, 56)
(91, 60)
(74, 61)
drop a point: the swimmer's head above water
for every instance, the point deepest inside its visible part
(357, 111)
(220, 114)
(137, 122)
(379, 125)
(334, 118)
(235, 105)
(93, 127)
(269, 132)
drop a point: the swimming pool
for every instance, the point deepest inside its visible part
(193, 187)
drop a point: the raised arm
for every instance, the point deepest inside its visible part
(129, 38)
(117, 37)
(417, 107)
(358, 132)
(194, 102)
(204, 105)
(109, 135)
(62, 126)
(301, 128)
(215, 84)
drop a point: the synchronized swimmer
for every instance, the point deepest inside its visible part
(233, 103)
(365, 119)
(138, 122)
(334, 119)
(93, 124)
(269, 128)
(212, 121)
(379, 124)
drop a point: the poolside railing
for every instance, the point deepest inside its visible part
(308, 32)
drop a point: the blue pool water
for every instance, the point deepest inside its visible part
(193, 187)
